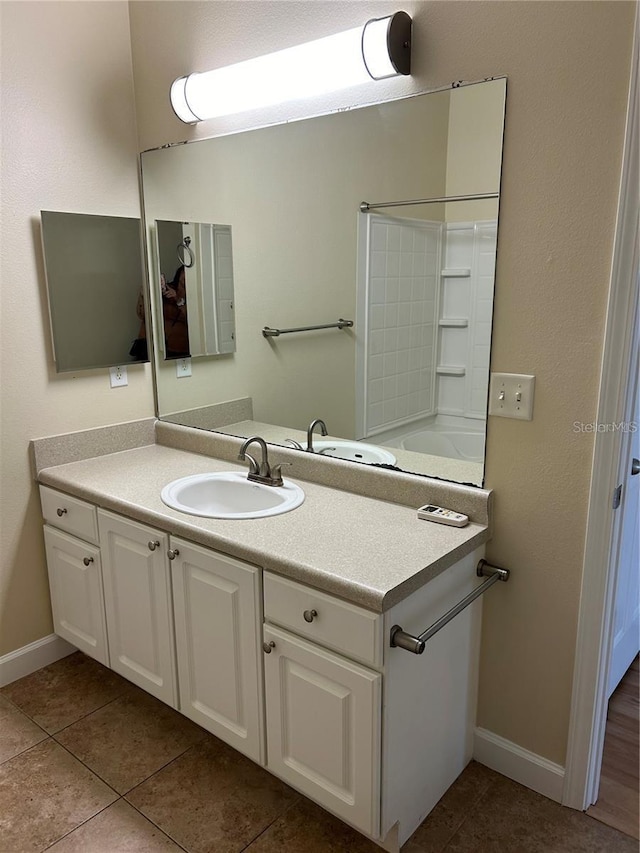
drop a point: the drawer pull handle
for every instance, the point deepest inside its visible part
(87, 561)
(268, 646)
(310, 615)
(172, 554)
(153, 545)
(61, 512)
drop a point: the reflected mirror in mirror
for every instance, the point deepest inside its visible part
(413, 270)
(194, 271)
(94, 274)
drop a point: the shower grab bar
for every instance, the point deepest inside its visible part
(370, 205)
(274, 333)
(403, 640)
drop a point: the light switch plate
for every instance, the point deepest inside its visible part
(511, 395)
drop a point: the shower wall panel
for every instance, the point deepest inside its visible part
(403, 264)
(466, 307)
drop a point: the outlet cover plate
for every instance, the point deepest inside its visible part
(511, 395)
(183, 367)
(118, 376)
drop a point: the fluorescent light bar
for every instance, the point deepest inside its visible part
(380, 49)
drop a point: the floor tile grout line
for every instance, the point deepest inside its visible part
(24, 713)
(271, 823)
(84, 716)
(163, 767)
(26, 749)
(137, 784)
(86, 766)
(67, 725)
(154, 824)
(104, 808)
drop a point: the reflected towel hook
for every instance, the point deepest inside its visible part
(184, 247)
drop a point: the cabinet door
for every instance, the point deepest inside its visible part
(217, 616)
(77, 602)
(137, 597)
(323, 727)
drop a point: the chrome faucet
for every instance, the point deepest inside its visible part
(263, 472)
(312, 426)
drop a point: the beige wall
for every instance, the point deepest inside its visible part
(568, 67)
(68, 143)
(475, 114)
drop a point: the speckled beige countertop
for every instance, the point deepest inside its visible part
(363, 549)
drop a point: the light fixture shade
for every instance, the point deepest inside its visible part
(379, 49)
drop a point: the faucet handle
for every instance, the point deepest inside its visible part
(276, 473)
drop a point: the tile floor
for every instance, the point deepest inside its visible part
(91, 764)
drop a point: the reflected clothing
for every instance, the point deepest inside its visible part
(176, 332)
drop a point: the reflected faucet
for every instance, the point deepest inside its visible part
(312, 426)
(263, 472)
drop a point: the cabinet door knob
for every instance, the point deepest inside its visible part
(87, 561)
(310, 615)
(268, 646)
(61, 512)
(173, 553)
(153, 545)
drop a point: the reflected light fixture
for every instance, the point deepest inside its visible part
(379, 49)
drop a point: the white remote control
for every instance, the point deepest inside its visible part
(443, 516)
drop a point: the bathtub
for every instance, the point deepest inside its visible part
(440, 440)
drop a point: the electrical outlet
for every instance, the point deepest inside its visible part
(183, 367)
(118, 376)
(511, 395)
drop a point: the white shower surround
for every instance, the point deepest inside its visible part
(450, 268)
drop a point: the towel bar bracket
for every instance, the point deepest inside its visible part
(403, 640)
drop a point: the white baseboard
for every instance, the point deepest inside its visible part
(30, 658)
(519, 764)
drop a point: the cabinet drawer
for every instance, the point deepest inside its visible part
(70, 514)
(336, 624)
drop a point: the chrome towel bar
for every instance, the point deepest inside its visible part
(274, 333)
(417, 644)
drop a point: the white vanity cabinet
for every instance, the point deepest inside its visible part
(297, 679)
(75, 573)
(218, 610)
(137, 597)
(323, 708)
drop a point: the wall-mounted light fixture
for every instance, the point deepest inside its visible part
(379, 49)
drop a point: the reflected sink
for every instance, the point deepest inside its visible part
(229, 494)
(355, 451)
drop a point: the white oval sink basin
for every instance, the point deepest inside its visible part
(229, 494)
(355, 451)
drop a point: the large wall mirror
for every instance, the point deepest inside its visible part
(411, 270)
